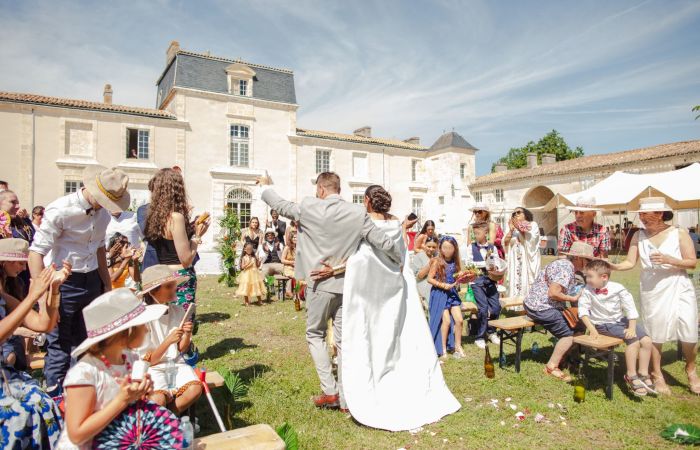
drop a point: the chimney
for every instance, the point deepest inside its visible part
(364, 132)
(531, 160)
(500, 167)
(107, 94)
(172, 51)
(548, 158)
(415, 140)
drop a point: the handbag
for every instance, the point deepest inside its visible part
(571, 316)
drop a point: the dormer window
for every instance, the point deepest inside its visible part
(240, 79)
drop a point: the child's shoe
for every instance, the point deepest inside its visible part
(495, 339)
(480, 343)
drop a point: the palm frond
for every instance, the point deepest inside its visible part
(287, 433)
(682, 434)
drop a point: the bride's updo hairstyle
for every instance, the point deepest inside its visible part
(379, 198)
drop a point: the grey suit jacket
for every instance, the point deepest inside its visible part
(329, 230)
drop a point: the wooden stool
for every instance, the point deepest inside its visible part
(603, 348)
(511, 329)
(255, 437)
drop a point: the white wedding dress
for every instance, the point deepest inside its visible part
(391, 375)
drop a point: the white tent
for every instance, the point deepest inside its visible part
(622, 191)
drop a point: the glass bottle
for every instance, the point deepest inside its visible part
(489, 369)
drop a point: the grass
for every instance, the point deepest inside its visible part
(265, 347)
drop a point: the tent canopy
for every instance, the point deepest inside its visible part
(622, 191)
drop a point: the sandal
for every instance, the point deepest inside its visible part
(636, 385)
(557, 373)
(661, 386)
(648, 384)
(694, 384)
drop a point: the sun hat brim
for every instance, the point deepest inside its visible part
(179, 279)
(151, 313)
(14, 257)
(664, 209)
(583, 208)
(90, 182)
(579, 256)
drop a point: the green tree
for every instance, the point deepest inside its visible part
(696, 109)
(231, 226)
(552, 143)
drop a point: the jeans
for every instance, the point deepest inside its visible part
(486, 296)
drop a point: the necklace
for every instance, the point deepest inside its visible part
(110, 368)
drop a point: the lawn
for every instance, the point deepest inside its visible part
(265, 346)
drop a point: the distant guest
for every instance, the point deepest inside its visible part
(585, 229)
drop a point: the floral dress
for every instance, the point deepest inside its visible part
(28, 416)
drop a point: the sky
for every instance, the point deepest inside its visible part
(609, 76)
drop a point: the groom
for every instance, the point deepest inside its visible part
(330, 231)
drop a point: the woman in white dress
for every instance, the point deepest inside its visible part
(522, 245)
(391, 375)
(669, 306)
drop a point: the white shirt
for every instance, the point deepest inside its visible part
(72, 233)
(125, 224)
(610, 308)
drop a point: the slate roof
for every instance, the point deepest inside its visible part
(594, 162)
(208, 73)
(360, 139)
(452, 139)
(34, 99)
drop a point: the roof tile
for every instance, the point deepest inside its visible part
(360, 139)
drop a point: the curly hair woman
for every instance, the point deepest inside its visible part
(170, 232)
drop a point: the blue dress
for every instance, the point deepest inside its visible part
(440, 300)
(28, 416)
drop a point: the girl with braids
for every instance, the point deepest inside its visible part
(169, 230)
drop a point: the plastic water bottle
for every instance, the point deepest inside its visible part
(170, 373)
(187, 433)
(535, 349)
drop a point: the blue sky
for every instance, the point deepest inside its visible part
(609, 76)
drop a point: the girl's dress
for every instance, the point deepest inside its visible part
(28, 416)
(668, 304)
(250, 281)
(158, 330)
(440, 300)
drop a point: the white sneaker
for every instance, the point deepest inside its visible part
(480, 343)
(494, 339)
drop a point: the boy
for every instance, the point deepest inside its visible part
(607, 308)
(484, 287)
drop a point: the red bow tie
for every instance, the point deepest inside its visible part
(603, 291)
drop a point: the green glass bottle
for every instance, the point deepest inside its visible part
(580, 390)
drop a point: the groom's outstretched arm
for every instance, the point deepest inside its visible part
(377, 238)
(288, 209)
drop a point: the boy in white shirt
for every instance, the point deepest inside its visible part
(607, 308)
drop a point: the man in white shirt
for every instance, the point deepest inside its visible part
(125, 223)
(73, 230)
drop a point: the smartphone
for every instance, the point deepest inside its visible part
(412, 216)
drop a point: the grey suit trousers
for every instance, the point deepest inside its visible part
(321, 306)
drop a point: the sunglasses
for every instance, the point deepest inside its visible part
(479, 211)
(515, 213)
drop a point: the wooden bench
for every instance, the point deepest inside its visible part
(511, 329)
(36, 360)
(281, 281)
(254, 437)
(603, 348)
(214, 380)
(511, 302)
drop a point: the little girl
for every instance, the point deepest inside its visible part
(99, 387)
(445, 311)
(166, 340)
(250, 281)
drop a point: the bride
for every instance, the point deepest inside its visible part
(391, 375)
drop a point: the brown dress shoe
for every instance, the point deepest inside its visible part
(327, 401)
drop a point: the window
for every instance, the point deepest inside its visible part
(359, 165)
(498, 194)
(239, 201)
(462, 171)
(79, 139)
(240, 141)
(500, 220)
(242, 87)
(358, 199)
(137, 143)
(441, 200)
(71, 186)
(478, 197)
(414, 170)
(323, 161)
(417, 209)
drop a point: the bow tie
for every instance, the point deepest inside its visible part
(603, 291)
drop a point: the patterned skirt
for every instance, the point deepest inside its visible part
(187, 290)
(28, 416)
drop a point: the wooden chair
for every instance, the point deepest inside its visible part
(603, 348)
(511, 329)
(254, 437)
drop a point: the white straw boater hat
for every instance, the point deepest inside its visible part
(480, 206)
(585, 204)
(270, 231)
(653, 204)
(14, 250)
(108, 186)
(112, 312)
(158, 275)
(581, 250)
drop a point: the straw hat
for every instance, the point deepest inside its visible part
(652, 204)
(270, 231)
(581, 250)
(480, 206)
(108, 186)
(112, 312)
(585, 204)
(12, 249)
(157, 275)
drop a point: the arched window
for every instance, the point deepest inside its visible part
(239, 200)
